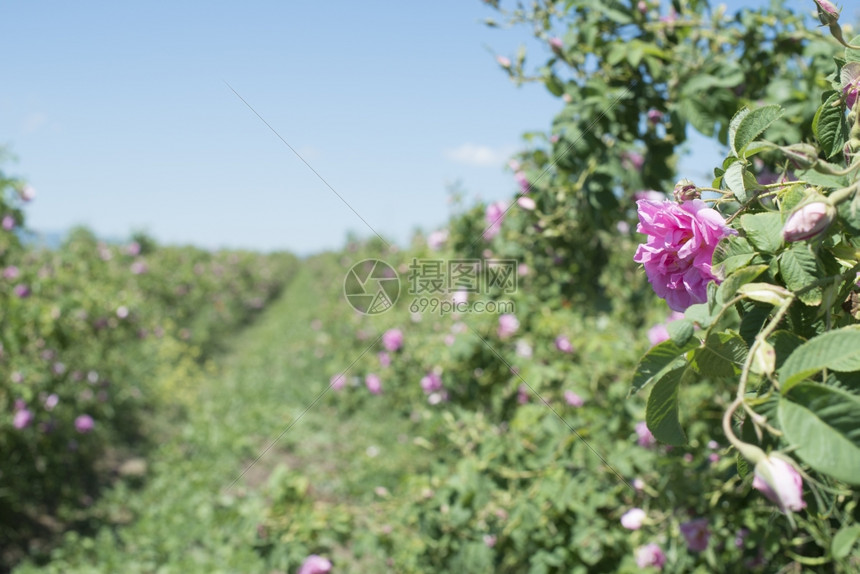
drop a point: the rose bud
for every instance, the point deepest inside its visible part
(808, 221)
(828, 13)
(686, 190)
(780, 482)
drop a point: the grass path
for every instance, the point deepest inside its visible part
(185, 518)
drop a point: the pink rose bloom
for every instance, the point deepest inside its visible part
(650, 555)
(133, 248)
(697, 534)
(51, 401)
(392, 339)
(373, 383)
(508, 325)
(437, 239)
(22, 291)
(654, 116)
(314, 564)
(8, 222)
(573, 399)
(494, 215)
(681, 242)
(337, 382)
(522, 181)
(84, 424)
(633, 519)
(563, 344)
(11, 272)
(22, 419)
(645, 438)
(384, 359)
(431, 382)
(780, 482)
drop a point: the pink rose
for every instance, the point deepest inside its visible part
(633, 519)
(392, 339)
(508, 325)
(697, 534)
(808, 221)
(494, 216)
(314, 564)
(373, 383)
(650, 555)
(680, 245)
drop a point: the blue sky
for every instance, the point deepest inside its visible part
(120, 117)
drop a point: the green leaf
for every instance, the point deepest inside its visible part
(852, 55)
(830, 126)
(784, 343)
(752, 125)
(734, 179)
(844, 541)
(731, 254)
(763, 230)
(823, 423)
(743, 466)
(700, 313)
(837, 350)
(742, 276)
(733, 127)
(661, 412)
(658, 359)
(798, 269)
(722, 355)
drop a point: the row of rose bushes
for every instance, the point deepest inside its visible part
(89, 333)
(545, 464)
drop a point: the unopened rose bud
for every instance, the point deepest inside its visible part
(686, 190)
(765, 293)
(780, 482)
(764, 360)
(503, 62)
(808, 221)
(654, 116)
(557, 45)
(828, 13)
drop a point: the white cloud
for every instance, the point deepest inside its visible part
(479, 155)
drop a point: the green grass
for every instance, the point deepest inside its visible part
(189, 516)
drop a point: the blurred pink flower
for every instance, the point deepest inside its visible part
(133, 249)
(22, 291)
(460, 297)
(314, 564)
(508, 325)
(11, 272)
(28, 193)
(780, 482)
(680, 245)
(654, 116)
(657, 334)
(523, 349)
(526, 203)
(84, 424)
(437, 239)
(139, 268)
(22, 419)
(522, 181)
(431, 382)
(645, 438)
(556, 44)
(337, 381)
(373, 383)
(633, 519)
(503, 62)
(573, 399)
(563, 344)
(122, 312)
(493, 216)
(384, 359)
(650, 555)
(632, 160)
(392, 339)
(8, 222)
(51, 401)
(522, 394)
(696, 533)
(489, 540)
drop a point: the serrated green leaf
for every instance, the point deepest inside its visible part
(830, 126)
(661, 411)
(798, 268)
(784, 343)
(731, 254)
(734, 179)
(743, 466)
(823, 423)
(700, 314)
(752, 125)
(722, 355)
(763, 230)
(851, 54)
(837, 350)
(657, 359)
(733, 127)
